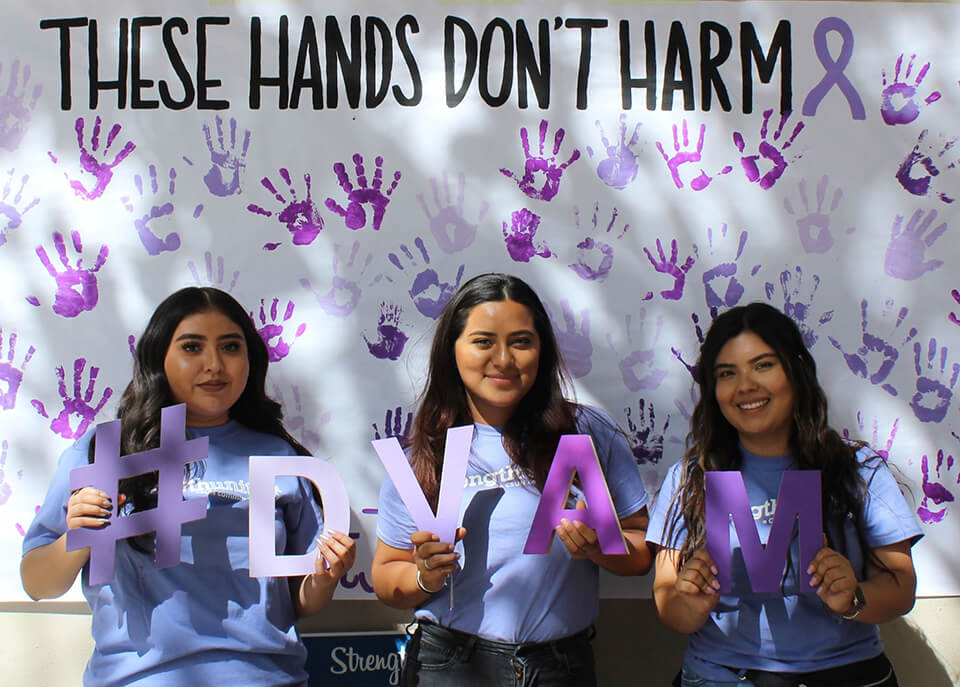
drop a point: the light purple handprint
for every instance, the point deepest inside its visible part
(875, 357)
(10, 374)
(936, 165)
(100, 170)
(687, 405)
(937, 379)
(393, 425)
(15, 109)
(645, 438)
(161, 211)
(390, 338)
(519, 236)
(449, 225)
(796, 306)
(671, 268)
(724, 272)
(536, 165)
(226, 166)
(79, 408)
(76, 286)
(767, 150)
(686, 155)
(211, 277)
(295, 421)
(813, 227)
(9, 206)
(427, 292)
(648, 376)
(574, 342)
(271, 330)
(354, 215)
(935, 494)
(344, 293)
(621, 165)
(596, 257)
(875, 440)
(301, 217)
(904, 257)
(5, 489)
(897, 105)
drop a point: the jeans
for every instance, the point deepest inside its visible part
(872, 672)
(440, 657)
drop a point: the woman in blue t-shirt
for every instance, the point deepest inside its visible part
(762, 411)
(503, 617)
(204, 621)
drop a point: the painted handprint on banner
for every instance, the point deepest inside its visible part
(295, 421)
(15, 207)
(78, 411)
(677, 353)
(955, 294)
(5, 489)
(904, 257)
(450, 227)
(644, 436)
(270, 328)
(573, 342)
(768, 151)
(813, 224)
(16, 107)
(796, 305)
(671, 268)
(684, 154)
(344, 293)
(211, 277)
(393, 425)
(226, 164)
(596, 257)
(638, 369)
(874, 441)
(936, 381)
(519, 236)
(931, 167)
(621, 164)
(301, 217)
(354, 215)
(898, 100)
(161, 211)
(95, 162)
(428, 293)
(936, 493)
(10, 374)
(721, 286)
(77, 289)
(390, 338)
(536, 165)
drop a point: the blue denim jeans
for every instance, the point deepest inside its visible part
(688, 678)
(872, 672)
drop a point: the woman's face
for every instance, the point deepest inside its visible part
(207, 366)
(497, 356)
(755, 395)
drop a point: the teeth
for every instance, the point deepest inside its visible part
(752, 406)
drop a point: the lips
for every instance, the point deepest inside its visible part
(213, 386)
(753, 405)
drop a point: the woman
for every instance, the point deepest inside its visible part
(514, 619)
(762, 411)
(204, 621)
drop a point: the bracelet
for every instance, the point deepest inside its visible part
(423, 587)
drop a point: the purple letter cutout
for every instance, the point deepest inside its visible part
(576, 455)
(799, 498)
(172, 509)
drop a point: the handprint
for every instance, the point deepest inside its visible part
(713, 278)
(427, 292)
(355, 217)
(79, 407)
(450, 228)
(271, 331)
(393, 426)
(953, 316)
(344, 293)
(931, 159)
(76, 286)
(875, 357)
(535, 165)
(794, 306)
(5, 488)
(932, 384)
(904, 257)
(814, 226)
(650, 376)
(935, 493)
(519, 237)
(897, 104)
(223, 178)
(101, 170)
(8, 206)
(767, 150)
(390, 338)
(295, 421)
(591, 249)
(574, 345)
(646, 441)
(685, 156)
(10, 374)
(686, 406)
(875, 441)
(692, 368)
(161, 211)
(671, 268)
(301, 217)
(15, 110)
(212, 278)
(620, 166)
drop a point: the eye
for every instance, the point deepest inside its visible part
(232, 347)
(190, 347)
(522, 342)
(482, 341)
(724, 374)
(765, 364)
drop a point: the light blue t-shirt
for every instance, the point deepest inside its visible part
(788, 632)
(204, 621)
(500, 593)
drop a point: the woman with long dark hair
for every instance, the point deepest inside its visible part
(204, 621)
(762, 411)
(514, 619)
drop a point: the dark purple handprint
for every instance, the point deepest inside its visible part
(344, 293)
(875, 440)
(596, 257)
(620, 166)
(725, 271)
(767, 150)
(100, 170)
(301, 217)
(393, 425)
(295, 420)
(226, 166)
(671, 268)
(904, 257)
(15, 110)
(390, 338)
(574, 343)
(10, 374)
(271, 330)
(936, 166)
(535, 165)
(684, 156)
(897, 104)
(813, 227)
(354, 216)
(8, 205)
(795, 306)
(933, 410)
(519, 236)
(161, 211)
(692, 368)
(953, 316)
(211, 277)
(450, 228)
(649, 376)
(76, 285)
(428, 293)
(79, 407)
(935, 493)
(646, 441)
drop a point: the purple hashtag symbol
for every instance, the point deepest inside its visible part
(172, 510)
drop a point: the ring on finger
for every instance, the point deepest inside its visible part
(426, 565)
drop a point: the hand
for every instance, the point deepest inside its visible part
(434, 559)
(579, 538)
(339, 551)
(88, 507)
(833, 576)
(698, 583)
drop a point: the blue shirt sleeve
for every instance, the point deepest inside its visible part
(394, 524)
(659, 528)
(886, 516)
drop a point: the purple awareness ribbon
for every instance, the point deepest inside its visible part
(834, 68)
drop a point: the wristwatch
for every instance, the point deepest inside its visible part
(859, 603)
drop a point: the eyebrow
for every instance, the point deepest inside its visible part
(201, 337)
(751, 361)
(494, 334)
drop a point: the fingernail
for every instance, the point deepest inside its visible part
(714, 570)
(810, 569)
(715, 584)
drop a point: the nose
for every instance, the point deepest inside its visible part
(746, 381)
(503, 356)
(212, 362)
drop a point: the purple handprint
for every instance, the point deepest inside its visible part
(355, 217)
(10, 374)
(953, 316)
(450, 228)
(271, 331)
(713, 278)
(686, 406)
(519, 237)
(574, 345)
(8, 206)
(650, 376)
(686, 156)
(79, 407)
(428, 293)
(875, 357)
(943, 393)
(795, 307)
(295, 421)
(344, 293)
(935, 492)
(933, 159)
(814, 226)
(15, 111)
(692, 368)
(620, 166)
(69, 301)
(390, 338)
(212, 278)
(646, 441)
(671, 268)
(875, 441)
(536, 165)
(903, 258)
(301, 217)
(161, 206)
(767, 150)
(101, 170)
(592, 249)
(393, 426)
(5, 489)
(897, 104)
(223, 178)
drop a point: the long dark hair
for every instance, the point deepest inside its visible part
(714, 443)
(531, 434)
